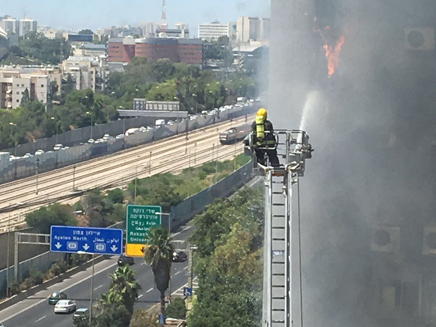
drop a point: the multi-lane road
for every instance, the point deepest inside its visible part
(168, 155)
(35, 312)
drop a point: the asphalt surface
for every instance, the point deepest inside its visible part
(36, 312)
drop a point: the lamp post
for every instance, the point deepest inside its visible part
(37, 170)
(196, 102)
(15, 143)
(92, 286)
(7, 255)
(88, 113)
(74, 178)
(57, 128)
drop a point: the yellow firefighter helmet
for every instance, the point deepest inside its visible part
(262, 112)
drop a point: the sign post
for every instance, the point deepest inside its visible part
(139, 219)
(71, 239)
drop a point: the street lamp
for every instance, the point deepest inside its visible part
(15, 150)
(88, 113)
(74, 178)
(196, 102)
(37, 170)
(92, 285)
(57, 128)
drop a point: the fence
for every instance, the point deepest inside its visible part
(179, 215)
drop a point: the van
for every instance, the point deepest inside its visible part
(160, 122)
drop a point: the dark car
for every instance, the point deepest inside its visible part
(81, 314)
(125, 260)
(179, 256)
(56, 296)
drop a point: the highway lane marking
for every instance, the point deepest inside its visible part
(149, 290)
(178, 272)
(40, 319)
(140, 296)
(66, 288)
(185, 268)
(183, 230)
(98, 287)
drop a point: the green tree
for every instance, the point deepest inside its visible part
(123, 282)
(158, 253)
(56, 214)
(116, 196)
(25, 98)
(176, 309)
(110, 311)
(141, 318)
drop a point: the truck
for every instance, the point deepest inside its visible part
(234, 134)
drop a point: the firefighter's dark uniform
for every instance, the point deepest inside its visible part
(269, 141)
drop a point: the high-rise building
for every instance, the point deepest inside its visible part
(213, 31)
(4, 43)
(27, 25)
(250, 29)
(148, 29)
(9, 25)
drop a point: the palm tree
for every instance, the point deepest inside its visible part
(158, 254)
(111, 312)
(123, 282)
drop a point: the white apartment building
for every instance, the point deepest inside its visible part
(13, 85)
(213, 31)
(250, 29)
(87, 72)
(9, 25)
(27, 25)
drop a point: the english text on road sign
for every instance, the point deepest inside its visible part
(187, 291)
(69, 239)
(139, 219)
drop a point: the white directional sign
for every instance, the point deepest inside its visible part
(69, 239)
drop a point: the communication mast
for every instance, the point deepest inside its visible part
(164, 16)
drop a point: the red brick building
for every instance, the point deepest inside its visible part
(120, 50)
(188, 51)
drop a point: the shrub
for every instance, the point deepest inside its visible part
(177, 309)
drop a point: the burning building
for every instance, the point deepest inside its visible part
(360, 78)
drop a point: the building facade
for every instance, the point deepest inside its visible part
(213, 31)
(27, 25)
(4, 43)
(188, 51)
(250, 29)
(14, 81)
(87, 72)
(9, 25)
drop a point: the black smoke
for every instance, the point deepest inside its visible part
(373, 127)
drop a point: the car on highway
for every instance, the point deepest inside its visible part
(56, 296)
(39, 152)
(81, 314)
(179, 256)
(125, 260)
(65, 306)
(57, 147)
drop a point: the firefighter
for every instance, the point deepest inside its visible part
(264, 140)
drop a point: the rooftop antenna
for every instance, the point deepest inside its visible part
(164, 15)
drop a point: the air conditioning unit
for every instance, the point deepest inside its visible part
(429, 240)
(385, 239)
(420, 39)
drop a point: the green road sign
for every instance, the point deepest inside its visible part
(139, 219)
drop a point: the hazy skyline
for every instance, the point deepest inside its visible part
(81, 14)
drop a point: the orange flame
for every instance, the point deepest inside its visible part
(332, 55)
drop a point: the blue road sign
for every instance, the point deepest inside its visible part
(187, 291)
(161, 319)
(69, 239)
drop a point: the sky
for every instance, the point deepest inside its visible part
(81, 14)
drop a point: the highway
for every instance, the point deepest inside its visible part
(168, 155)
(35, 311)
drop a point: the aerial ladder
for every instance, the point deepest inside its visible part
(282, 293)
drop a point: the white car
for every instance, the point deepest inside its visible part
(57, 147)
(65, 306)
(39, 152)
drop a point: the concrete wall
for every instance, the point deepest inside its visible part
(180, 214)
(25, 167)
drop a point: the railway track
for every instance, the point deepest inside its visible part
(165, 158)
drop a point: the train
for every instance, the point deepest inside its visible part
(234, 134)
